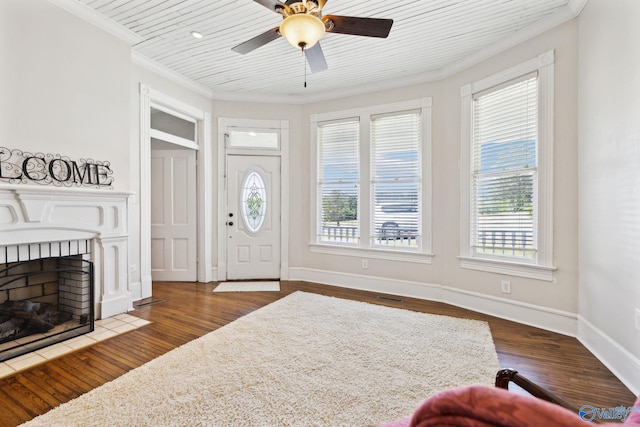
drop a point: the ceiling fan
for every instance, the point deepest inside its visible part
(303, 25)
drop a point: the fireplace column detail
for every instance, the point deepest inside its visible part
(113, 286)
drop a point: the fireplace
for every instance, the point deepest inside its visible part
(63, 235)
(45, 301)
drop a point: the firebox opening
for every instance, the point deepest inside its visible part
(44, 301)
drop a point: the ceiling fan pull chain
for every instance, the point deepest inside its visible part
(304, 63)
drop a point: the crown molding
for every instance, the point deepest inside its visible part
(99, 20)
(156, 67)
(576, 6)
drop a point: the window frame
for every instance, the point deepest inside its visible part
(542, 268)
(364, 248)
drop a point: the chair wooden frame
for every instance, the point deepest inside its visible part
(505, 376)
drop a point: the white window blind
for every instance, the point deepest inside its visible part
(395, 179)
(338, 181)
(504, 175)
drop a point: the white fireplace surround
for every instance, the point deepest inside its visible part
(32, 216)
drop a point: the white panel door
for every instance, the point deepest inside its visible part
(253, 217)
(173, 215)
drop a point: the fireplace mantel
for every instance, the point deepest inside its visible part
(33, 215)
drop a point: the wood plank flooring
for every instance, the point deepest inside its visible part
(180, 312)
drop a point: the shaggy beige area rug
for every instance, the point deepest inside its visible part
(304, 360)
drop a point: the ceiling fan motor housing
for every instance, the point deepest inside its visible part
(296, 7)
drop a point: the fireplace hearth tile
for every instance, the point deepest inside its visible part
(54, 350)
(101, 334)
(6, 370)
(110, 323)
(80, 342)
(125, 328)
(25, 361)
(140, 322)
(124, 323)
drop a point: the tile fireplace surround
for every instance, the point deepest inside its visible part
(46, 221)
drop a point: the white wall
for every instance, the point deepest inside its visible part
(64, 86)
(558, 296)
(609, 193)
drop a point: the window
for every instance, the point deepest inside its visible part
(504, 179)
(507, 163)
(338, 179)
(395, 179)
(169, 128)
(253, 138)
(371, 194)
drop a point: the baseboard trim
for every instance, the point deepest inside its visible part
(558, 321)
(617, 359)
(135, 291)
(118, 305)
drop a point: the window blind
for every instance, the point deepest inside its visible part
(338, 179)
(395, 178)
(504, 178)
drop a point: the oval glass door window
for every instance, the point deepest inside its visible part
(254, 201)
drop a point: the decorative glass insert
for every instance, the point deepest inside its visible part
(254, 201)
(172, 124)
(254, 138)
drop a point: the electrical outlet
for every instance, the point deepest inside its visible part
(505, 285)
(638, 319)
(365, 263)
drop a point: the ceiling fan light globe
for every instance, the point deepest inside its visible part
(302, 30)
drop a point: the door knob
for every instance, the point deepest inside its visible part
(230, 223)
(230, 215)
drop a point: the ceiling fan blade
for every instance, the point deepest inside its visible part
(369, 27)
(315, 58)
(321, 3)
(273, 5)
(257, 41)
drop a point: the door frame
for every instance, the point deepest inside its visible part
(204, 198)
(283, 152)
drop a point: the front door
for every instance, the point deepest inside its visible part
(173, 215)
(253, 217)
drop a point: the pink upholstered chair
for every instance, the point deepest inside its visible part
(479, 406)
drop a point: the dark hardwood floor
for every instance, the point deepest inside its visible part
(180, 312)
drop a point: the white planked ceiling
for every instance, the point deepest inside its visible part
(428, 39)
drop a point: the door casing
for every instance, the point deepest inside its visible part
(150, 97)
(223, 151)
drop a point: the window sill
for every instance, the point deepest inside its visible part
(389, 255)
(530, 271)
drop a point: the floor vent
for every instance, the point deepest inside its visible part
(391, 299)
(146, 302)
